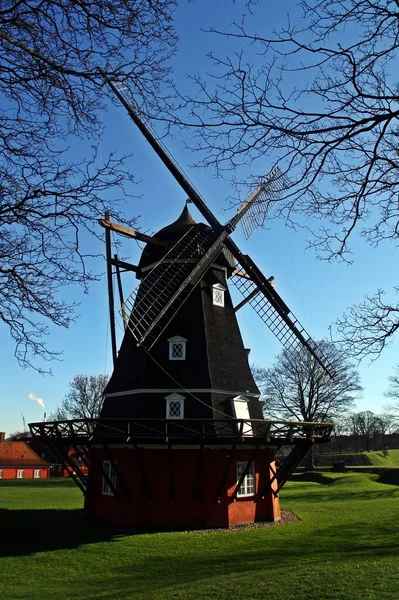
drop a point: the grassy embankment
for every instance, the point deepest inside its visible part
(366, 459)
(345, 548)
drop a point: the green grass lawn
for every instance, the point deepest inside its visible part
(345, 547)
(372, 459)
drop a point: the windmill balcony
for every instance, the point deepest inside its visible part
(181, 431)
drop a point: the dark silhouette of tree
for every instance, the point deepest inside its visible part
(322, 103)
(393, 393)
(53, 58)
(83, 400)
(393, 389)
(297, 387)
(366, 426)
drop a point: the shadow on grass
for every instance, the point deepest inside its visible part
(390, 476)
(28, 531)
(239, 556)
(312, 476)
(51, 482)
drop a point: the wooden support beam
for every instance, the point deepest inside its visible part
(142, 473)
(171, 478)
(254, 293)
(129, 232)
(119, 280)
(81, 455)
(196, 492)
(110, 294)
(124, 265)
(71, 467)
(226, 472)
(241, 273)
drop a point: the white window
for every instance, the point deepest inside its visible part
(20, 473)
(110, 471)
(177, 348)
(242, 412)
(247, 488)
(218, 294)
(174, 406)
(1, 474)
(36, 474)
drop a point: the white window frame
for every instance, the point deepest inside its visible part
(20, 473)
(36, 474)
(241, 411)
(177, 339)
(247, 488)
(218, 291)
(108, 468)
(173, 398)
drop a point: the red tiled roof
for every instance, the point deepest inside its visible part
(18, 454)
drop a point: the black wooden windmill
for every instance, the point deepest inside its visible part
(182, 440)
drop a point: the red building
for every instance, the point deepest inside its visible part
(19, 461)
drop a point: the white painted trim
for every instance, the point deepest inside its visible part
(245, 482)
(216, 290)
(174, 398)
(177, 390)
(177, 340)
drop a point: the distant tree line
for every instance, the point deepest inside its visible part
(365, 431)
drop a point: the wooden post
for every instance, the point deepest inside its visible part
(118, 278)
(110, 291)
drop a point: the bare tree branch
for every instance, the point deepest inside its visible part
(335, 133)
(52, 58)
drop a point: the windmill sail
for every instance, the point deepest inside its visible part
(278, 318)
(288, 330)
(261, 200)
(162, 292)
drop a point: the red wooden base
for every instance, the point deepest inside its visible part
(180, 488)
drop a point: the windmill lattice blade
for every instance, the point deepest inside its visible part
(287, 329)
(163, 291)
(266, 194)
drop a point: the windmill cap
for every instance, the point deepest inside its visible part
(170, 235)
(181, 225)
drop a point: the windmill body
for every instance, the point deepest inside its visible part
(195, 374)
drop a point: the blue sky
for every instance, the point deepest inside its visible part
(317, 292)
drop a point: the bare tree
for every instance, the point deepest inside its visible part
(83, 400)
(53, 58)
(392, 414)
(297, 387)
(367, 427)
(322, 103)
(393, 390)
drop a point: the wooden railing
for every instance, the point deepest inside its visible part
(182, 431)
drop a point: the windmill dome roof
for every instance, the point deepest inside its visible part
(170, 235)
(181, 225)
